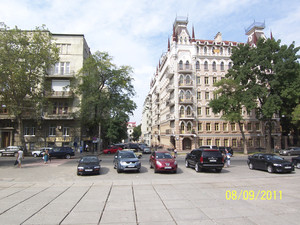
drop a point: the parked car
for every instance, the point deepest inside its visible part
(111, 150)
(146, 150)
(126, 161)
(205, 159)
(162, 161)
(10, 151)
(61, 152)
(40, 152)
(134, 146)
(223, 148)
(296, 161)
(269, 162)
(88, 165)
(290, 151)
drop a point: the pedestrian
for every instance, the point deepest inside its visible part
(175, 152)
(20, 157)
(87, 147)
(80, 149)
(228, 155)
(46, 156)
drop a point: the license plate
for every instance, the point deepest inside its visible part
(88, 170)
(287, 167)
(131, 166)
(168, 167)
(213, 160)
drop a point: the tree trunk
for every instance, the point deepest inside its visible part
(244, 138)
(21, 133)
(269, 136)
(99, 135)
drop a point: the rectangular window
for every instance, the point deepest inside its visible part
(56, 68)
(206, 95)
(206, 80)
(66, 131)
(217, 142)
(225, 127)
(226, 143)
(198, 95)
(52, 131)
(62, 68)
(208, 141)
(198, 80)
(250, 141)
(233, 127)
(258, 142)
(29, 131)
(214, 80)
(217, 127)
(249, 126)
(199, 111)
(208, 127)
(67, 67)
(200, 127)
(257, 127)
(234, 143)
(200, 142)
(207, 111)
(215, 96)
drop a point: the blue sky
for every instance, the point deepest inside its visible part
(135, 32)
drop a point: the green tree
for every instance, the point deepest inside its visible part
(25, 57)
(106, 97)
(137, 132)
(269, 76)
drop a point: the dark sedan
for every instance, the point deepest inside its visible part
(296, 161)
(269, 162)
(88, 165)
(126, 161)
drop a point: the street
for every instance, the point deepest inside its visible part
(54, 194)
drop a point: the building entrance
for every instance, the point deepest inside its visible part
(5, 139)
(186, 144)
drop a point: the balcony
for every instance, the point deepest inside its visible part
(71, 74)
(170, 102)
(170, 117)
(59, 94)
(187, 117)
(186, 84)
(185, 68)
(170, 87)
(65, 116)
(186, 101)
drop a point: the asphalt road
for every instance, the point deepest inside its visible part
(54, 194)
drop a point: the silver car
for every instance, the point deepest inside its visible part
(290, 151)
(126, 161)
(10, 151)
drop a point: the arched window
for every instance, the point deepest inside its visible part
(180, 65)
(188, 80)
(213, 50)
(189, 127)
(181, 96)
(188, 95)
(182, 127)
(197, 65)
(181, 111)
(222, 66)
(221, 51)
(187, 65)
(229, 65)
(205, 50)
(214, 66)
(188, 111)
(181, 80)
(206, 65)
(229, 51)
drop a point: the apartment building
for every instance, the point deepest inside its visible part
(59, 124)
(182, 87)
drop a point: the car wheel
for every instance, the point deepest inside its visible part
(298, 165)
(251, 166)
(138, 170)
(68, 156)
(35, 155)
(218, 170)
(270, 169)
(78, 174)
(118, 170)
(187, 165)
(155, 170)
(197, 167)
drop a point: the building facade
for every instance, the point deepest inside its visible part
(182, 88)
(59, 124)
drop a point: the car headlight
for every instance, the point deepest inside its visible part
(277, 164)
(80, 168)
(284, 152)
(158, 163)
(123, 163)
(96, 167)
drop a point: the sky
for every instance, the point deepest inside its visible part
(135, 32)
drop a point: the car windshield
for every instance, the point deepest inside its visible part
(163, 155)
(89, 160)
(273, 157)
(124, 155)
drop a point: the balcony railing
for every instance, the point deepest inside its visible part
(186, 100)
(59, 94)
(184, 68)
(186, 84)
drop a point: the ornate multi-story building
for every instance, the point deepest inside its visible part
(182, 86)
(59, 124)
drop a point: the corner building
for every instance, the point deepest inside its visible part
(182, 87)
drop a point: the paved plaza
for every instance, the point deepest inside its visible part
(54, 194)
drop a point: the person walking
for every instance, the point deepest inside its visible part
(46, 156)
(175, 152)
(20, 157)
(228, 155)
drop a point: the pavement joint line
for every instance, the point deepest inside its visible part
(164, 204)
(133, 196)
(76, 203)
(48, 203)
(105, 202)
(16, 191)
(26, 199)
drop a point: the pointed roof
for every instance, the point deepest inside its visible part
(168, 44)
(193, 35)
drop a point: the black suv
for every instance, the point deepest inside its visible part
(205, 159)
(62, 152)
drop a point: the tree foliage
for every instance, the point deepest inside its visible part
(268, 77)
(25, 57)
(106, 96)
(137, 132)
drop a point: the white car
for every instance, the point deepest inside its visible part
(40, 152)
(10, 150)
